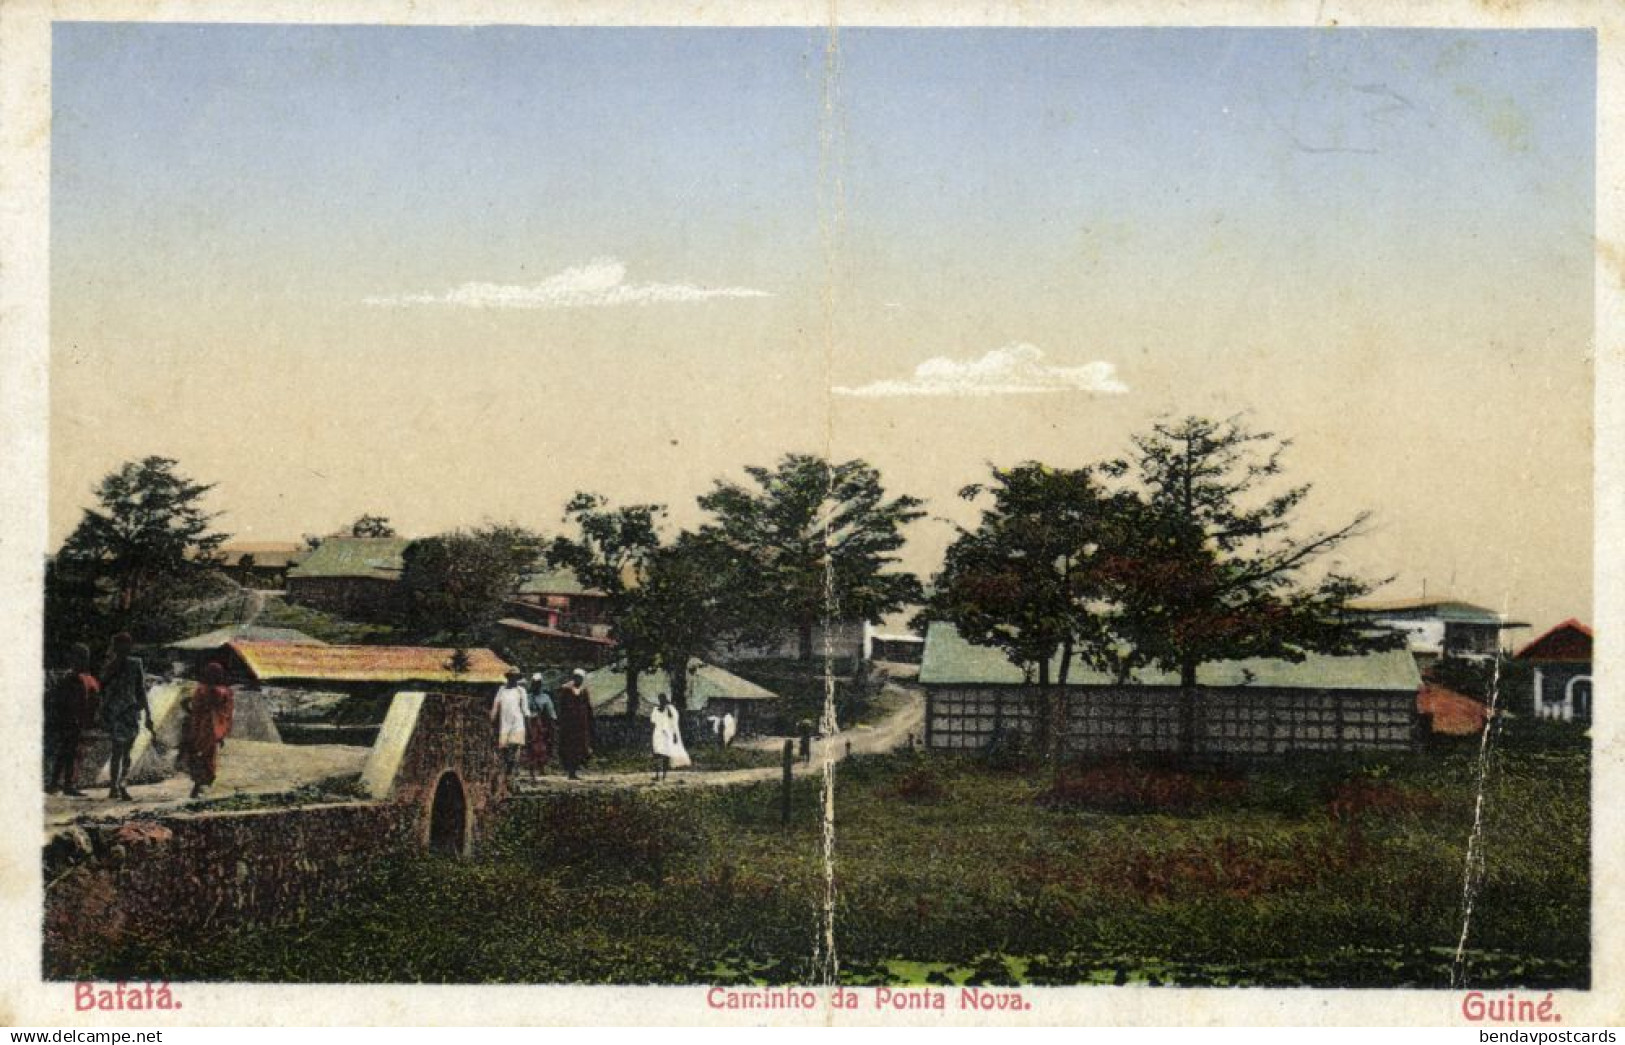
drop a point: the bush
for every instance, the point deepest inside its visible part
(918, 784)
(1540, 734)
(606, 835)
(1131, 786)
(1353, 799)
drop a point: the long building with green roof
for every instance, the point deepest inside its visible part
(976, 697)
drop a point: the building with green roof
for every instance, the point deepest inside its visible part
(1441, 627)
(976, 696)
(357, 577)
(711, 691)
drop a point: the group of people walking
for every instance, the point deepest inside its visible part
(115, 700)
(530, 725)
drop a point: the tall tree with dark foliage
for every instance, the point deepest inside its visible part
(819, 543)
(135, 558)
(454, 584)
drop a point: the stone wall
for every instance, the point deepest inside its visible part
(165, 877)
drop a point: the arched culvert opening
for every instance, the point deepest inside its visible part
(448, 817)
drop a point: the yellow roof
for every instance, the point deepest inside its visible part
(273, 661)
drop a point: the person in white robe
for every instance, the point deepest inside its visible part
(667, 738)
(730, 726)
(509, 710)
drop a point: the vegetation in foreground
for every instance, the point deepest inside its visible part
(1330, 873)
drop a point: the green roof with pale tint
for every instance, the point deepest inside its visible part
(552, 582)
(1452, 610)
(376, 557)
(950, 660)
(252, 632)
(707, 682)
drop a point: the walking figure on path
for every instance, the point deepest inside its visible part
(668, 738)
(509, 711)
(70, 709)
(539, 728)
(124, 707)
(208, 720)
(575, 723)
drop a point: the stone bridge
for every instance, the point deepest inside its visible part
(432, 782)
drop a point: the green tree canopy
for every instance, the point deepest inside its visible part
(1187, 553)
(1229, 570)
(664, 598)
(1036, 577)
(816, 542)
(134, 559)
(372, 526)
(455, 583)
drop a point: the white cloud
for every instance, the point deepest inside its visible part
(1015, 369)
(600, 282)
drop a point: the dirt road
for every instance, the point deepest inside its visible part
(246, 767)
(889, 734)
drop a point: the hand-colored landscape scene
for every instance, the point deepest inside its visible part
(894, 507)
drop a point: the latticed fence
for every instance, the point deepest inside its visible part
(1237, 721)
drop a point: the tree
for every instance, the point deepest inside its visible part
(817, 540)
(666, 600)
(1190, 557)
(1035, 578)
(455, 583)
(677, 609)
(1224, 571)
(372, 526)
(612, 545)
(135, 558)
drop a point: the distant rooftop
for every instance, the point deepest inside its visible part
(525, 627)
(271, 554)
(376, 557)
(1445, 609)
(950, 660)
(1568, 642)
(249, 632)
(707, 682)
(553, 582)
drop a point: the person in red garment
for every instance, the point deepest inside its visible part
(208, 720)
(539, 727)
(70, 711)
(575, 724)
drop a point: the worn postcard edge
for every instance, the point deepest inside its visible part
(25, 121)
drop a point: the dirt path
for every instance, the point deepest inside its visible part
(254, 767)
(246, 767)
(889, 734)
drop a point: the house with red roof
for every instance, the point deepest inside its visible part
(1561, 672)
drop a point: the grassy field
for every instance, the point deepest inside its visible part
(1324, 873)
(706, 757)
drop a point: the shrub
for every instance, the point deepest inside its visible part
(918, 784)
(1129, 786)
(1353, 799)
(608, 834)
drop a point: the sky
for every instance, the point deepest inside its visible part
(452, 275)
